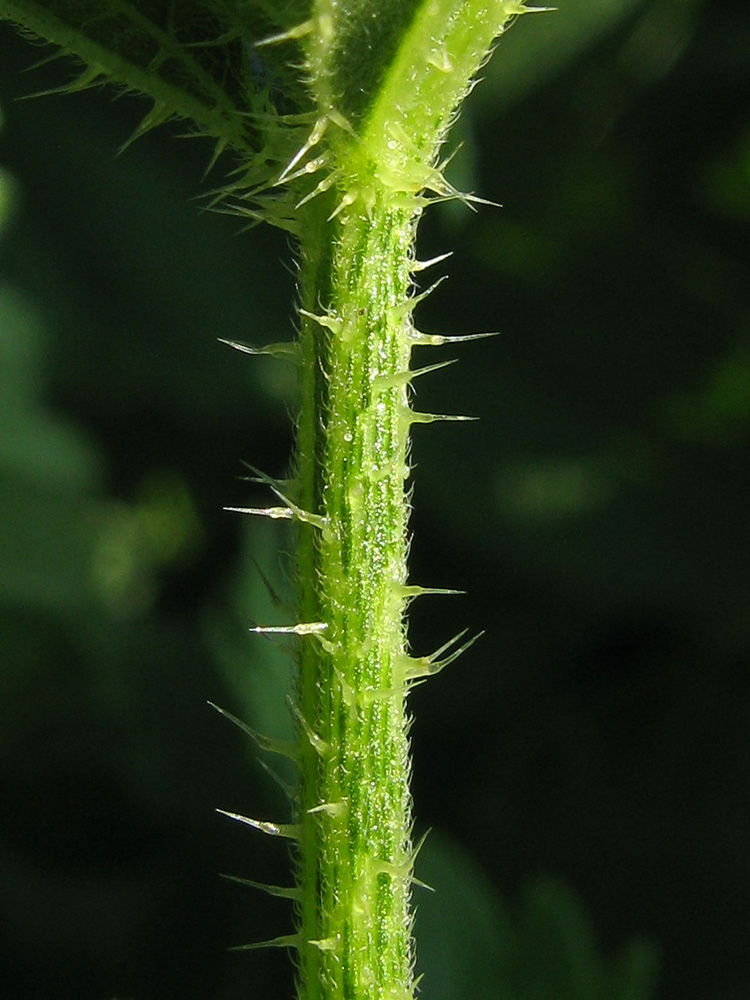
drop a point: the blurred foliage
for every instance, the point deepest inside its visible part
(544, 947)
(585, 768)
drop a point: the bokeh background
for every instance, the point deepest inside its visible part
(585, 768)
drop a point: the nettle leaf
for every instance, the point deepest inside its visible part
(190, 57)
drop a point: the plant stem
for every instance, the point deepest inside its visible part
(355, 853)
(355, 858)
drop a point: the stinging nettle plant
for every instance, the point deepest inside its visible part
(335, 112)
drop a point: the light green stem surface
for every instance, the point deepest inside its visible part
(355, 851)
(355, 854)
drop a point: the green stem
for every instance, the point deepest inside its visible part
(355, 858)
(355, 853)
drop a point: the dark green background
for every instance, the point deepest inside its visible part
(585, 768)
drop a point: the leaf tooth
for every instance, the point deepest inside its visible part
(60, 53)
(158, 114)
(219, 148)
(88, 78)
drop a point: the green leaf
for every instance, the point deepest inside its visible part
(186, 57)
